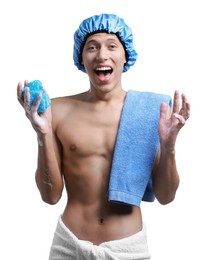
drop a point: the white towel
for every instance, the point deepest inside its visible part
(66, 246)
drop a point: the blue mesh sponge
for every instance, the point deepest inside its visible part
(35, 88)
(109, 23)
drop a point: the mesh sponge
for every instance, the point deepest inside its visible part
(35, 88)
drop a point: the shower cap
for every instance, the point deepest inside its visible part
(109, 23)
(35, 88)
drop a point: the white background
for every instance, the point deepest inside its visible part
(37, 43)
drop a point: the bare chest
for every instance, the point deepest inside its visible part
(88, 134)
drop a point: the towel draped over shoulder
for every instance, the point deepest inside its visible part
(136, 148)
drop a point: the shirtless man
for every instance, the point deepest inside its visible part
(76, 139)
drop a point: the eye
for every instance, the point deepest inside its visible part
(112, 46)
(91, 48)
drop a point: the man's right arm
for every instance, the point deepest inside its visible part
(48, 174)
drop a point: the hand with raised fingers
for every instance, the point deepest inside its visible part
(41, 122)
(170, 125)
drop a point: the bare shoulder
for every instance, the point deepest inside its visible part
(66, 101)
(62, 106)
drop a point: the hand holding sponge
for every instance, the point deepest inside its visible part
(35, 88)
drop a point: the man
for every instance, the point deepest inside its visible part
(96, 147)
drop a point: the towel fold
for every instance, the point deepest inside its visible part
(136, 148)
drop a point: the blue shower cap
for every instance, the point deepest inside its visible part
(109, 23)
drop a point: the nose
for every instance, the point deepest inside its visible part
(102, 54)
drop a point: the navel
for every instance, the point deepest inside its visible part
(101, 221)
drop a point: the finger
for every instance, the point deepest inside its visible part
(26, 82)
(184, 101)
(185, 105)
(27, 96)
(45, 91)
(19, 93)
(37, 102)
(163, 111)
(176, 104)
(27, 105)
(180, 118)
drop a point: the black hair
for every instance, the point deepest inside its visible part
(101, 31)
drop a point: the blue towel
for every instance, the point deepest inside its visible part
(136, 148)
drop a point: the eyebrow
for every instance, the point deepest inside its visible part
(108, 39)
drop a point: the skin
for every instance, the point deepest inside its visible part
(76, 147)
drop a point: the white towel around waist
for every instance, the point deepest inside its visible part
(66, 246)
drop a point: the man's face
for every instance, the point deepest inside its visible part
(103, 57)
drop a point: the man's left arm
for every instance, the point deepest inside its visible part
(165, 174)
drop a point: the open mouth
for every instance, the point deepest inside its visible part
(103, 73)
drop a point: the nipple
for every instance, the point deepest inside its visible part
(73, 147)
